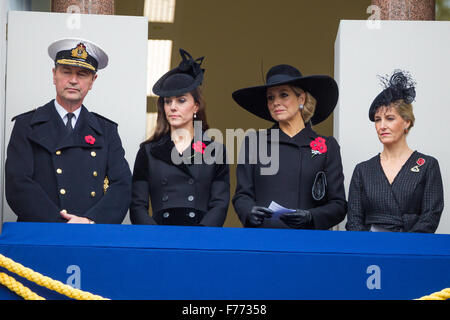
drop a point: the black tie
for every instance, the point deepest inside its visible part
(69, 122)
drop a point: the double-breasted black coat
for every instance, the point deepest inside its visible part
(49, 170)
(292, 184)
(188, 193)
(412, 203)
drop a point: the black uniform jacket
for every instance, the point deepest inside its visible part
(48, 170)
(188, 193)
(412, 203)
(292, 185)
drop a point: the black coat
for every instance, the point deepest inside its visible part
(292, 185)
(48, 170)
(180, 194)
(412, 203)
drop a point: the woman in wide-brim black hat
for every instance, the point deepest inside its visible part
(398, 190)
(185, 178)
(308, 178)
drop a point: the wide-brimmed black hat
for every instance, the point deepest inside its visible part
(182, 79)
(323, 88)
(399, 86)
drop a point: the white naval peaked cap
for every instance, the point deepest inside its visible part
(79, 53)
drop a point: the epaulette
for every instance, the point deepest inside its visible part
(22, 114)
(104, 118)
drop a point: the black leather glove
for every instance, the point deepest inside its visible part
(257, 215)
(300, 219)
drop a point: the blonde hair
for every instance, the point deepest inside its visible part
(309, 107)
(405, 110)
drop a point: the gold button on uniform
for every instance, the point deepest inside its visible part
(93, 194)
(58, 171)
(62, 191)
(94, 173)
(58, 152)
(93, 153)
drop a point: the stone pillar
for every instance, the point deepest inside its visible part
(406, 9)
(84, 6)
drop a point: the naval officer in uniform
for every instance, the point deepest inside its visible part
(65, 163)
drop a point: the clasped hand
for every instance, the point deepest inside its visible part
(257, 215)
(299, 219)
(71, 218)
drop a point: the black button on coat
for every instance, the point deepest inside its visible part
(48, 170)
(292, 184)
(188, 193)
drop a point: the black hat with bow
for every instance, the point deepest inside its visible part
(182, 79)
(399, 86)
(323, 88)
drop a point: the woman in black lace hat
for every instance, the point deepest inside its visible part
(309, 180)
(179, 169)
(399, 189)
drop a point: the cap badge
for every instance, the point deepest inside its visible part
(80, 52)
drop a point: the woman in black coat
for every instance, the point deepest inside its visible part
(187, 179)
(399, 189)
(304, 173)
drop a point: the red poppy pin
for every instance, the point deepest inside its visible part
(420, 162)
(89, 139)
(199, 147)
(318, 146)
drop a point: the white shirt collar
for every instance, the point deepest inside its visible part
(63, 113)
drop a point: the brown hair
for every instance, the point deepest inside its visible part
(309, 107)
(163, 126)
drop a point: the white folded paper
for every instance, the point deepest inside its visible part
(278, 209)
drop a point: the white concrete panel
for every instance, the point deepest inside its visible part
(363, 52)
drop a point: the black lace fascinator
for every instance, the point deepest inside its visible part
(398, 86)
(182, 79)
